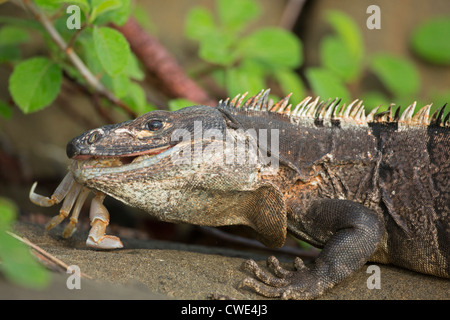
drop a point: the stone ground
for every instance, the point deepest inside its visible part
(167, 270)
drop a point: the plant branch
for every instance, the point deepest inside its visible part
(162, 64)
(46, 254)
(85, 90)
(291, 13)
(74, 37)
(75, 59)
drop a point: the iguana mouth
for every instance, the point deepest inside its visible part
(110, 161)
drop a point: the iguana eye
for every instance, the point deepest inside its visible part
(93, 137)
(154, 125)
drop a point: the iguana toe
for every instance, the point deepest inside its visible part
(299, 284)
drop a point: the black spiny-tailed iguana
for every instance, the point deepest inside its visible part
(362, 187)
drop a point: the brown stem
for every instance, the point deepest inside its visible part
(85, 90)
(291, 13)
(162, 64)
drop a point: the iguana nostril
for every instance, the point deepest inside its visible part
(71, 150)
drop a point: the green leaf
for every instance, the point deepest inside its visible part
(5, 110)
(336, 56)
(326, 84)
(10, 35)
(219, 76)
(199, 24)
(247, 77)
(83, 4)
(9, 54)
(348, 31)
(102, 6)
(112, 49)
(177, 104)
(117, 14)
(48, 5)
(133, 69)
(8, 213)
(86, 40)
(290, 82)
(120, 84)
(397, 74)
(431, 41)
(234, 15)
(273, 46)
(216, 49)
(17, 264)
(136, 98)
(35, 83)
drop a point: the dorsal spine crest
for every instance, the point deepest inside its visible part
(320, 110)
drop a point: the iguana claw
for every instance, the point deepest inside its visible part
(299, 284)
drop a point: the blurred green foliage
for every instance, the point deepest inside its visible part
(431, 40)
(248, 61)
(36, 81)
(16, 262)
(398, 75)
(238, 56)
(244, 60)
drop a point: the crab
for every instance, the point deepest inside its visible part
(74, 196)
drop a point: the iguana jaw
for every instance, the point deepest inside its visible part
(89, 161)
(89, 168)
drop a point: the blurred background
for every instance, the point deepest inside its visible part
(148, 55)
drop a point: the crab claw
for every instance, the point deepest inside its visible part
(68, 190)
(59, 194)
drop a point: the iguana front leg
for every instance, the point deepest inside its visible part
(350, 233)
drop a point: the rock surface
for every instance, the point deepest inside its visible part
(166, 270)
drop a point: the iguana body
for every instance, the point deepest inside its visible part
(362, 188)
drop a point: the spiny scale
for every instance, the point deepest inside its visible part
(316, 109)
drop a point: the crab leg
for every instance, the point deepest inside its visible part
(70, 228)
(66, 206)
(99, 216)
(59, 194)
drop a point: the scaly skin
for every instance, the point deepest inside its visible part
(361, 187)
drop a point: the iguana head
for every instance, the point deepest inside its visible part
(149, 134)
(176, 166)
